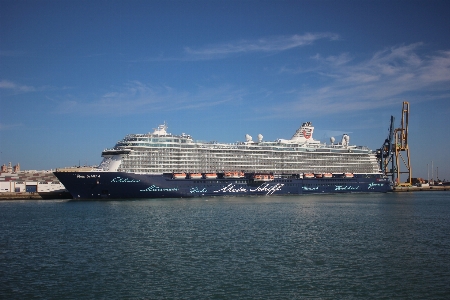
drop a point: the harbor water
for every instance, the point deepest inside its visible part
(354, 246)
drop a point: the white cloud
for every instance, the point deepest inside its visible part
(388, 77)
(137, 97)
(338, 59)
(437, 69)
(274, 44)
(18, 88)
(6, 84)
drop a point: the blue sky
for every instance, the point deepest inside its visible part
(77, 76)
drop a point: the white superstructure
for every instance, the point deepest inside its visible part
(161, 152)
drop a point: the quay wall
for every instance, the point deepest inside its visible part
(20, 196)
(422, 189)
(34, 195)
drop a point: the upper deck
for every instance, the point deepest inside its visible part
(301, 141)
(162, 152)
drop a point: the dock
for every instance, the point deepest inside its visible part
(421, 189)
(20, 196)
(34, 195)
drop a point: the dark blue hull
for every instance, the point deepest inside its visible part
(120, 185)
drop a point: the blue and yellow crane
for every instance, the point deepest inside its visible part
(391, 151)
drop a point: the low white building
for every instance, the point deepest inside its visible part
(14, 180)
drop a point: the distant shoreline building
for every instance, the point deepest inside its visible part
(10, 169)
(12, 179)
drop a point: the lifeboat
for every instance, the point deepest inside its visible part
(228, 175)
(179, 176)
(195, 176)
(308, 175)
(258, 177)
(263, 177)
(210, 175)
(234, 174)
(348, 175)
(318, 175)
(327, 175)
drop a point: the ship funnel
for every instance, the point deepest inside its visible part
(304, 133)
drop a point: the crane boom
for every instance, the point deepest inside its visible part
(386, 152)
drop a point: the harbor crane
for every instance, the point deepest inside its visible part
(386, 154)
(401, 145)
(391, 151)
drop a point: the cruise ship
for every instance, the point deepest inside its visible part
(163, 165)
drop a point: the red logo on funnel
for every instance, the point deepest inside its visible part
(306, 135)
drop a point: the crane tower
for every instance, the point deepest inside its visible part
(401, 146)
(392, 149)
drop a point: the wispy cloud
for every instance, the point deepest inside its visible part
(388, 77)
(136, 97)
(268, 45)
(17, 88)
(9, 126)
(344, 84)
(9, 85)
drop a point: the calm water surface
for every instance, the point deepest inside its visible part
(380, 246)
